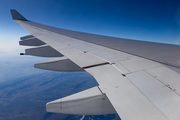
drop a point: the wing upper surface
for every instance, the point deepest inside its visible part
(138, 85)
(154, 51)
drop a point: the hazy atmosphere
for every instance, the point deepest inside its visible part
(24, 90)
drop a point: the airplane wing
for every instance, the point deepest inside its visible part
(138, 80)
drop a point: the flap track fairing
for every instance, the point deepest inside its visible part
(62, 64)
(44, 51)
(32, 42)
(27, 37)
(88, 102)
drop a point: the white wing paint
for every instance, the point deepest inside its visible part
(138, 80)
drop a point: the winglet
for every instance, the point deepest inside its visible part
(17, 16)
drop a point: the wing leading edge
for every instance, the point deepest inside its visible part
(132, 75)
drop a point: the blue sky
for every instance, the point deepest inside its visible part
(149, 20)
